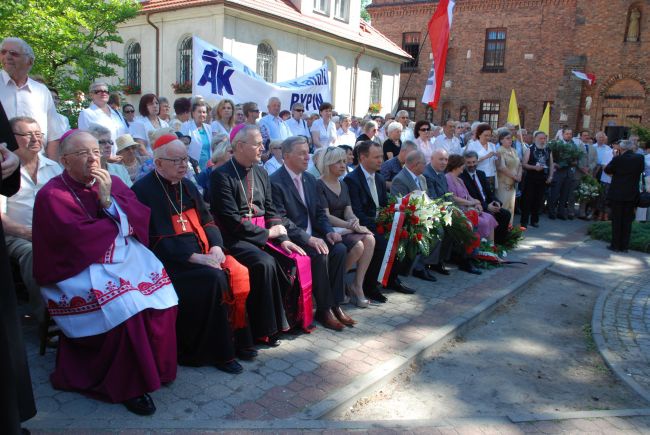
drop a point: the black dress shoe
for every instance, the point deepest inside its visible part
(246, 354)
(400, 287)
(273, 341)
(470, 269)
(376, 296)
(232, 367)
(141, 405)
(424, 275)
(536, 225)
(440, 268)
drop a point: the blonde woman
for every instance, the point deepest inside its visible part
(508, 172)
(224, 117)
(335, 198)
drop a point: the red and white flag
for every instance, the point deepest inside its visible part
(585, 76)
(439, 28)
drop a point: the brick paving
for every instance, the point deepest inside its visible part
(307, 368)
(624, 319)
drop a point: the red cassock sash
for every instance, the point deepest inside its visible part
(238, 277)
(303, 267)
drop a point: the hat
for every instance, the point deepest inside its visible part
(125, 141)
(235, 130)
(164, 140)
(185, 139)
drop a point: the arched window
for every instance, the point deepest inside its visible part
(633, 29)
(375, 86)
(265, 61)
(133, 70)
(184, 74)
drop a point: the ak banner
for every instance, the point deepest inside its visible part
(217, 75)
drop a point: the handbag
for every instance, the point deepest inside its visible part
(644, 200)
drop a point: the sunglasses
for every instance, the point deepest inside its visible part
(425, 129)
(101, 91)
(129, 111)
(298, 110)
(12, 53)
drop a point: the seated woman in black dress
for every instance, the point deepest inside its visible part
(336, 200)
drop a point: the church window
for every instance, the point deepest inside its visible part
(265, 61)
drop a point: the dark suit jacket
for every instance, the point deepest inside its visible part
(436, 184)
(626, 171)
(289, 205)
(473, 190)
(403, 183)
(362, 204)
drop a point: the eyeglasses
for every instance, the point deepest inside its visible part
(129, 111)
(178, 162)
(12, 53)
(100, 91)
(85, 153)
(34, 134)
(425, 129)
(255, 110)
(298, 110)
(105, 142)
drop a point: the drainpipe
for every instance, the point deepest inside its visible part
(157, 52)
(355, 72)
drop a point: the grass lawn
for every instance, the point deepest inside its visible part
(639, 240)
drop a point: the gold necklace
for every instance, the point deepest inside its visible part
(180, 219)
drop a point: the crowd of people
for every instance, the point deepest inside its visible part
(198, 235)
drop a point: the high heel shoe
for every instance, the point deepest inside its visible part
(359, 301)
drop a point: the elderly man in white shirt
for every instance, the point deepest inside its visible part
(35, 171)
(100, 113)
(447, 141)
(407, 132)
(22, 96)
(272, 126)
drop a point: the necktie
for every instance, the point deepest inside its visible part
(417, 182)
(373, 190)
(300, 190)
(477, 186)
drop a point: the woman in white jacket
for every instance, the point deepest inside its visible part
(200, 132)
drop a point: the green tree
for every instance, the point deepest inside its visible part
(365, 16)
(69, 37)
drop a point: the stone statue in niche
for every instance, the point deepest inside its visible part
(633, 26)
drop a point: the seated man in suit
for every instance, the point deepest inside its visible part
(409, 179)
(437, 187)
(368, 194)
(391, 167)
(296, 199)
(479, 188)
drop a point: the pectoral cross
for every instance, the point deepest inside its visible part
(182, 221)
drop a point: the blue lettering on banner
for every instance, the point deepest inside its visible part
(318, 79)
(217, 71)
(310, 101)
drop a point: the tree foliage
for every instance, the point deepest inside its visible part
(365, 16)
(69, 37)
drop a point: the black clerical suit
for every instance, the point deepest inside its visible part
(487, 197)
(623, 195)
(16, 394)
(328, 271)
(203, 332)
(231, 186)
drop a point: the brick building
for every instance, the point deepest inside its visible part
(530, 46)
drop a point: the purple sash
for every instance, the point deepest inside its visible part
(303, 268)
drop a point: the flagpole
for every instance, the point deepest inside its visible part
(426, 34)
